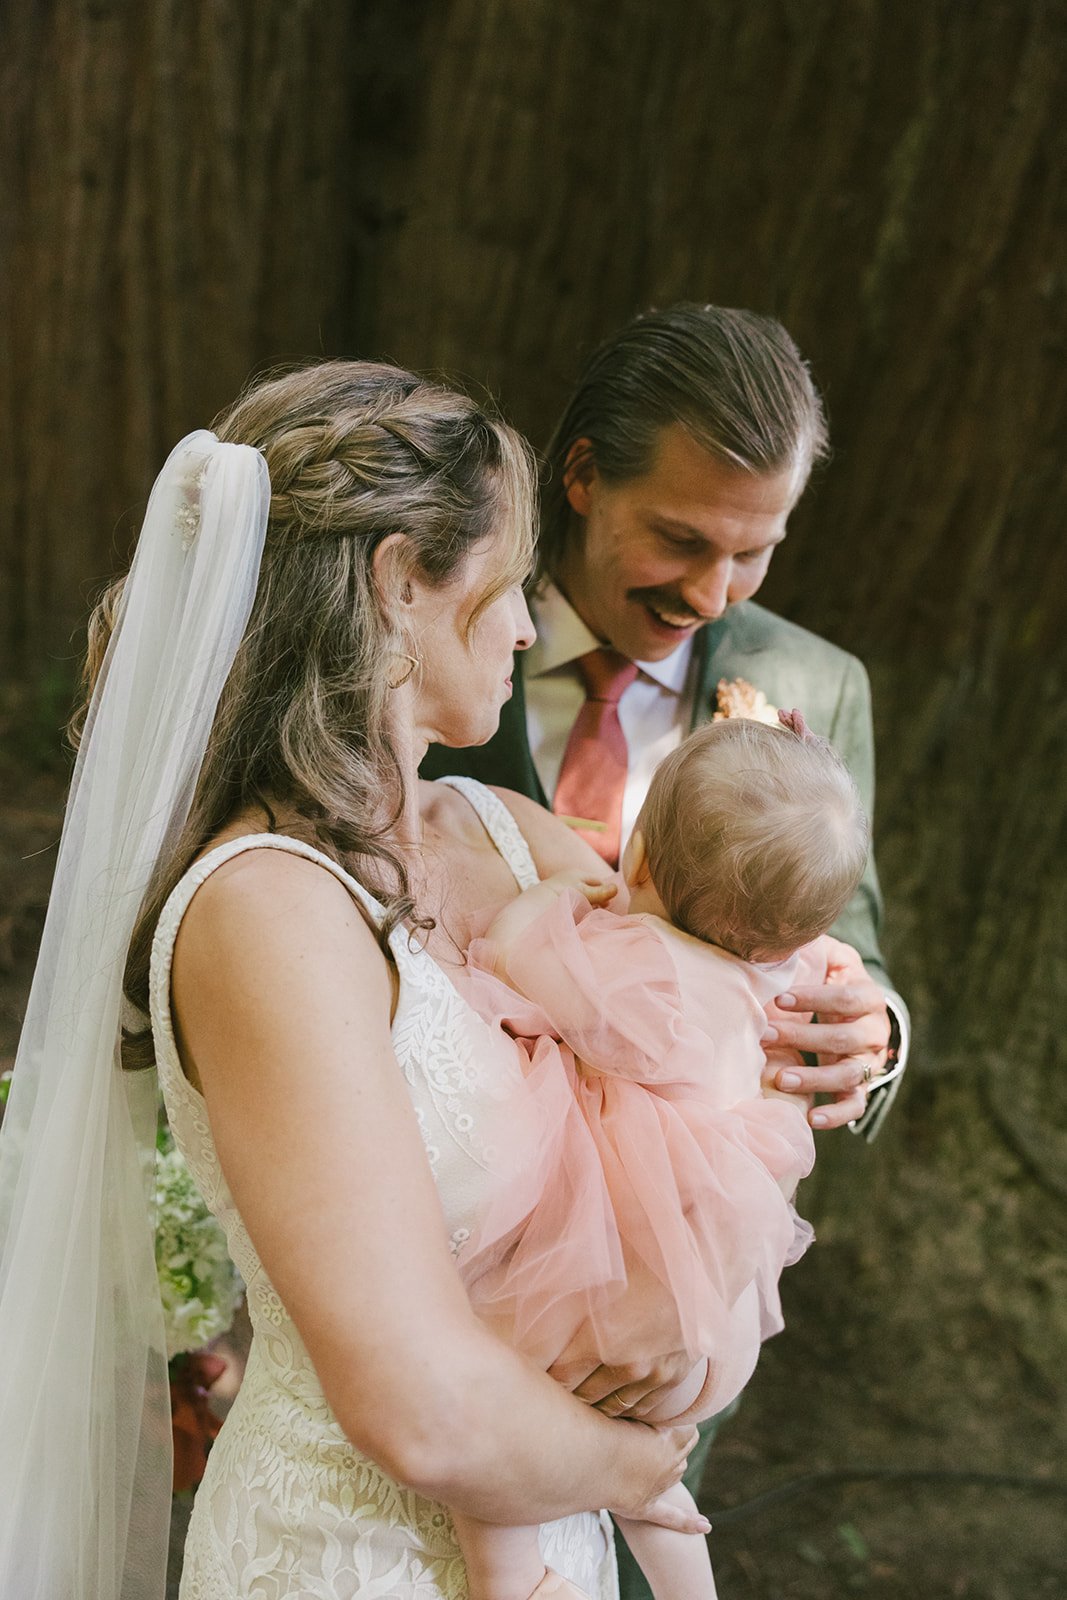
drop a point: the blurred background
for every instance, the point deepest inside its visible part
(194, 190)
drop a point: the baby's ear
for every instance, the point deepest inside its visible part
(634, 863)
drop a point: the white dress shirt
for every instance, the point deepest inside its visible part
(654, 712)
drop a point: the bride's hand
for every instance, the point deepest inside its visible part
(671, 1447)
(680, 1516)
(631, 1391)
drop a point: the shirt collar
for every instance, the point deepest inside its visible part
(562, 637)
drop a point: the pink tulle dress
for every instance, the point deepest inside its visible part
(642, 1197)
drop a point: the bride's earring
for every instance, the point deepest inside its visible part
(413, 663)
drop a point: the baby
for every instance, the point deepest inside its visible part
(643, 1203)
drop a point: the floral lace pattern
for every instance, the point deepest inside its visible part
(289, 1507)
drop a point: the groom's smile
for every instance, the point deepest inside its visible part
(658, 556)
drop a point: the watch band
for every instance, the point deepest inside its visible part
(883, 1090)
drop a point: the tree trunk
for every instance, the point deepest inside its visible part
(193, 191)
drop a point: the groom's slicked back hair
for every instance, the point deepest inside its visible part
(734, 380)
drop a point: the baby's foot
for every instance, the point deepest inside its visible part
(555, 1587)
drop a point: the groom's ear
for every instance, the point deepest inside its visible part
(580, 476)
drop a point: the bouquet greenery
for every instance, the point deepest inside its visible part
(199, 1284)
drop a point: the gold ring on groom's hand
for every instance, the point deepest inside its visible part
(868, 1074)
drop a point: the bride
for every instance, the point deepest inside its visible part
(254, 883)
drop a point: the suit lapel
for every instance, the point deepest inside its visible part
(724, 650)
(706, 677)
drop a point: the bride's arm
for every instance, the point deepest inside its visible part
(283, 999)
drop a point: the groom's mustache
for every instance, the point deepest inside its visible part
(664, 600)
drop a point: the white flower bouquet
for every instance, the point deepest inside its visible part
(199, 1284)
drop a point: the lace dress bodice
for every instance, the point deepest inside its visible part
(289, 1507)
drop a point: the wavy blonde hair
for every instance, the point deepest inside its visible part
(756, 838)
(355, 451)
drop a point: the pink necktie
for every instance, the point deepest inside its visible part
(592, 776)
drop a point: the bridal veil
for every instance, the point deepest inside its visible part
(84, 1409)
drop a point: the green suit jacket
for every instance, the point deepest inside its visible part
(793, 668)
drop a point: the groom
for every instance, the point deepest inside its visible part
(687, 442)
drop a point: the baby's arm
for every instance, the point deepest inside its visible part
(792, 1097)
(511, 924)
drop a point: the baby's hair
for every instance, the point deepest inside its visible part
(755, 837)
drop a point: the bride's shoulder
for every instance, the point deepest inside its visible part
(269, 932)
(266, 898)
(554, 846)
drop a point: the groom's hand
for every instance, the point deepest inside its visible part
(849, 1033)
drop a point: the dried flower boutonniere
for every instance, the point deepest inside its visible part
(740, 699)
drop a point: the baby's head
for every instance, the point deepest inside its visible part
(755, 838)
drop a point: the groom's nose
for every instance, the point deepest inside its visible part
(707, 587)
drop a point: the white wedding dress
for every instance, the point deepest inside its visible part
(289, 1507)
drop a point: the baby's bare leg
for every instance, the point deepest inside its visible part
(676, 1566)
(506, 1564)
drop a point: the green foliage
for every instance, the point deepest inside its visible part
(853, 1540)
(33, 717)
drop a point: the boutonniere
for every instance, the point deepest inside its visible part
(740, 699)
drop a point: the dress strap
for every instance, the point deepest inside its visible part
(181, 896)
(201, 870)
(501, 827)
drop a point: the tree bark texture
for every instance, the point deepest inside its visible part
(185, 201)
(488, 187)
